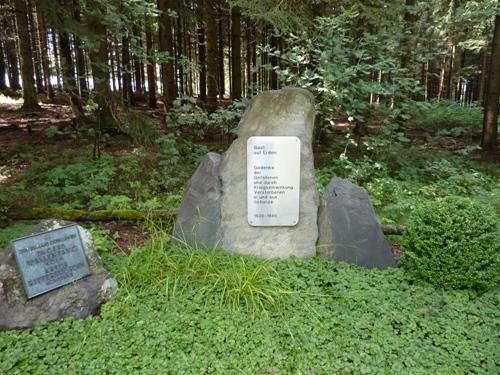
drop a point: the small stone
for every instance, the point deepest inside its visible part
(348, 228)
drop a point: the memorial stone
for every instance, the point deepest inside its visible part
(286, 113)
(48, 264)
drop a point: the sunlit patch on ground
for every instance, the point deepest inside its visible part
(8, 100)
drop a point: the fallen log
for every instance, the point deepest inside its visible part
(394, 229)
(40, 213)
(82, 215)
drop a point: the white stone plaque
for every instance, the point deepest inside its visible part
(273, 181)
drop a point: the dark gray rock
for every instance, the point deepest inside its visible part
(199, 218)
(77, 299)
(348, 229)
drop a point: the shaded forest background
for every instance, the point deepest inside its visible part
(362, 59)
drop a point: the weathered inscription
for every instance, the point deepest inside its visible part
(50, 259)
(273, 181)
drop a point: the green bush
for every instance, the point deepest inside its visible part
(453, 243)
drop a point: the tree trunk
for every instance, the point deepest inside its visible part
(126, 72)
(179, 43)
(410, 19)
(151, 69)
(42, 35)
(100, 71)
(248, 58)
(166, 46)
(137, 62)
(235, 53)
(211, 55)
(3, 83)
(68, 70)
(80, 55)
(35, 46)
(116, 53)
(484, 75)
(255, 81)
(220, 56)
(56, 59)
(491, 105)
(112, 68)
(12, 63)
(202, 97)
(29, 95)
(189, 83)
(68, 67)
(274, 61)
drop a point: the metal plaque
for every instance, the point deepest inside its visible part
(49, 260)
(273, 181)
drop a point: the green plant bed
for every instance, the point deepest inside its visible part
(326, 318)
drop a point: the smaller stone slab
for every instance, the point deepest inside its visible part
(78, 299)
(51, 259)
(348, 228)
(198, 221)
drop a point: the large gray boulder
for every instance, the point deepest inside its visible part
(286, 112)
(77, 299)
(348, 229)
(198, 222)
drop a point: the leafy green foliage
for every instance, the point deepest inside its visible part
(447, 115)
(399, 174)
(141, 179)
(399, 327)
(191, 121)
(102, 240)
(453, 242)
(338, 66)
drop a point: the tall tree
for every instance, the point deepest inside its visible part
(166, 46)
(35, 47)
(55, 50)
(202, 60)
(128, 96)
(220, 54)
(179, 50)
(3, 83)
(29, 94)
(98, 52)
(235, 53)
(67, 61)
(42, 35)
(79, 52)
(274, 60)
(151, 68)
(12, 63)
(211, 27)
(491, 105)
(137, 41)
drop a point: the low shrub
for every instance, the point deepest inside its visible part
(453, 243)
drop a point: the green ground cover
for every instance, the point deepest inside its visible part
(185, 312)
